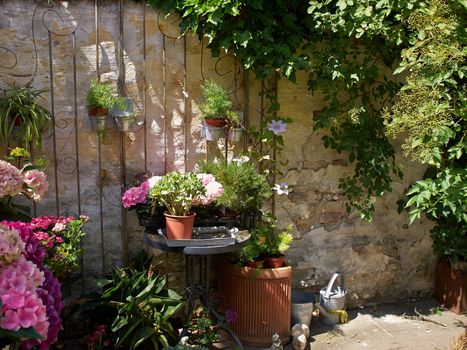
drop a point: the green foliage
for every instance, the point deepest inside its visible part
(216, 103)
(143, 307)
(431, 115)
(176, 191)
(201, 329)
(101, 95)
(20, 105)
(245, 189)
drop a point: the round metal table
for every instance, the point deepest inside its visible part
(198, 289)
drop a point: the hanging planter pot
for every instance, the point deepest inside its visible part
(123, 107)
(97, 123)
(235, 135)
(214, 133)
(124, 123)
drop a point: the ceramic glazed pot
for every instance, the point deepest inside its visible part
(179, 227)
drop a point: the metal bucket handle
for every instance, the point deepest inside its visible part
(331, 283)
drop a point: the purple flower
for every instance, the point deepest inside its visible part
(230, 316)
(277, 126)
(282, 188)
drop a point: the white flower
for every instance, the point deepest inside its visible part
(241, 160)
(282, 188)
(152, 181)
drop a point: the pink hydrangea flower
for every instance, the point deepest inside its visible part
(59, 226)
(11, 179)
(213, 190)
(36, 180)
(11, 245)
(136, 195)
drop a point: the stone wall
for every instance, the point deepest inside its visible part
(381, 260)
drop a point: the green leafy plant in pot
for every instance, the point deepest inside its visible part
(245, 189)
(176, 191)
(216, 104)
(22, 115)
(100, 98)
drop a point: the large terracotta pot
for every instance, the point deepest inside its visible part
(261, 299)
(179, 227)
(451, 287)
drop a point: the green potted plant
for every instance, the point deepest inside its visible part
(176, 191)
(276, 242)
(234, 126)
(245, 189)
(100, 98)
(216, 104)
(22, 115)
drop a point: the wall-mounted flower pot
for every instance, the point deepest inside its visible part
(235, 135)
(261, 299)
(124, 123)
(214, 133)
(215, 122)
(97, 123)
(125, 111)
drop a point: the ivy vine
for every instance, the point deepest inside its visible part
(351, 51)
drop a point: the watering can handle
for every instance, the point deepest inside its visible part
(331, 283)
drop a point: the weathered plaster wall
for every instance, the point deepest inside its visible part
(381, 260)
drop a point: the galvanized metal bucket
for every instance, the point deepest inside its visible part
(333, 296)
(303, 303)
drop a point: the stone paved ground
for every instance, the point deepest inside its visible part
(384, 327)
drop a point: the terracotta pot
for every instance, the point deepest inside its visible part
(97, 111)
(274, 262)
(261, 299)
(215, 122)
(451, 287)
(179, 227)
(256, 264)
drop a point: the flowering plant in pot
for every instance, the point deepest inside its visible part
(178, 192)
(28, 181)
(61, 237)
(30, 301)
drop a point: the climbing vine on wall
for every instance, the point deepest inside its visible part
(348, 48)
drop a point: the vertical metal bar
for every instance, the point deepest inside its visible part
(185, 106)
(75, 101)
(121, 89)
(99, 153)
(145, 91)
(164, 92)
(52, 111)
(101, 211)
(78, 184)
(274, 153)
(246, 107)
(261, 115)
(121, 66)
(96, 26)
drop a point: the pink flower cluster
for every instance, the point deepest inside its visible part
(11, 179)
(30, 293)
(36, 182)
(21, 305)
(213, 190)
(33, 183)
(139, 194)
(55, 224)
(11, 245)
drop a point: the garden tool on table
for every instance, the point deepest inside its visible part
(332, 302)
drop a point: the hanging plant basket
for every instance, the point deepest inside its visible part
(235, 135)
(124, 123)
(97, 122)
(213, 133)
